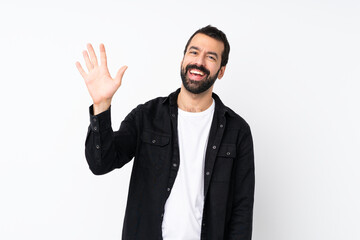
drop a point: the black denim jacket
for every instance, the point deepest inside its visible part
(149, 133)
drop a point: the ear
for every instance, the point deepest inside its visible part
(221, 72)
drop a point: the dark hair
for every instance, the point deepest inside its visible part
(216, 34)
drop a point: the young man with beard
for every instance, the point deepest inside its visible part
(193, 172)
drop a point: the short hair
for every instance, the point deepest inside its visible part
(215, 33)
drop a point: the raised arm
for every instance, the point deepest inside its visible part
(105, 149)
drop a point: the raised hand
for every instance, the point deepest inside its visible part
(98, 80)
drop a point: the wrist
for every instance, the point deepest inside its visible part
(101, 106)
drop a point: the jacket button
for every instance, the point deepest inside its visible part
(214, 147)
(95, 128)
(173, 115)
(168, 189)
(97, 146)
(207, 173)
(174, 164)
(153, 141)
(228, 153)
(94, 119)
(221, 125)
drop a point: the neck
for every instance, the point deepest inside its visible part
(191, 102)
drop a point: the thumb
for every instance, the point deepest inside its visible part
(120, 75)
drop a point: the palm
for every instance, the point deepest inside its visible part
(100, 84)
(98, 80)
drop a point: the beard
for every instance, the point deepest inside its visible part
(201, 86)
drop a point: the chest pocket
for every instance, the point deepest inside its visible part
(224, 163)
(154, 149)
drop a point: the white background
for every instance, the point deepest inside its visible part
(293, 74)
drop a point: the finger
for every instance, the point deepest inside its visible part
(120, 74)
(92, 55)
(87, 61)
(81, 70)
(103, 59)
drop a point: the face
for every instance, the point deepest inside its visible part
(200, 66)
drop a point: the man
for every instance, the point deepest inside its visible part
(193, 170)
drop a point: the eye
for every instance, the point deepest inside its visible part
(212, 58)
(193, 52)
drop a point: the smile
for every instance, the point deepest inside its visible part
(196, 74)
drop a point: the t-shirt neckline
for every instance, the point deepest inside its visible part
(198, 114)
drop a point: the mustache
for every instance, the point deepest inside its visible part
(201, 68)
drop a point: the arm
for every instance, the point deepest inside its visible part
(105, 149)
(243, 198)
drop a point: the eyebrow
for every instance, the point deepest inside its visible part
(198, 49)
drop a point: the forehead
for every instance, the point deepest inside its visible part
(206, 43)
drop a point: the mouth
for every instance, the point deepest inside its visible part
(196, 74)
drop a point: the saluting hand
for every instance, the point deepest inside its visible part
(98, 80)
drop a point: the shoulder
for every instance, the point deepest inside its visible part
(237, 122)
(155, 102)
(152, 103)
(152, 108)
(234, 120)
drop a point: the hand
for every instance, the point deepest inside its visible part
(100, 84)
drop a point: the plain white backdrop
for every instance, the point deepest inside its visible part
(293, 74)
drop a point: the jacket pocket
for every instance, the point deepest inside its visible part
(154, 147)
(224, 163)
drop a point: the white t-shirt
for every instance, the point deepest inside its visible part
(184, 207)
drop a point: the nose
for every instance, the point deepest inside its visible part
(200, 60)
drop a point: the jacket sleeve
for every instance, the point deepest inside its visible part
(105, 149)
(243, 198)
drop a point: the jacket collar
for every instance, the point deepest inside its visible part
(219, 106)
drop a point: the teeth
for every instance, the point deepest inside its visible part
(197, 72)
